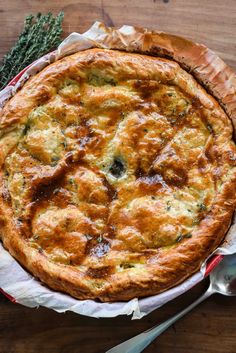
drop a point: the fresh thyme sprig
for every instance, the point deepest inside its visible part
(41, 34)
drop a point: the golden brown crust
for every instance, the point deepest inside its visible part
(117, 175)
(205, 65)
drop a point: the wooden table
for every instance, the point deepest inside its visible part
(211, 328)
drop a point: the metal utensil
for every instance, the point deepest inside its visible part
(222, 281)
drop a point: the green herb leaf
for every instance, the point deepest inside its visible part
(188, 235)
(127, 265)
(71, 181)
(40, 35)
(209, 127)
(179, 238)
(202, 207)
(97, 80)
(100, 239)
(168, 207)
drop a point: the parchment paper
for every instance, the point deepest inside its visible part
(26, 289)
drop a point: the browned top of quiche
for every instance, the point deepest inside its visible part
(117, 175)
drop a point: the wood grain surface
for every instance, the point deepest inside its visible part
(210, 328)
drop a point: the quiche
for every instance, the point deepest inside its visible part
(117, 175)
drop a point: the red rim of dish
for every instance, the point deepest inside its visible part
(212, 262)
